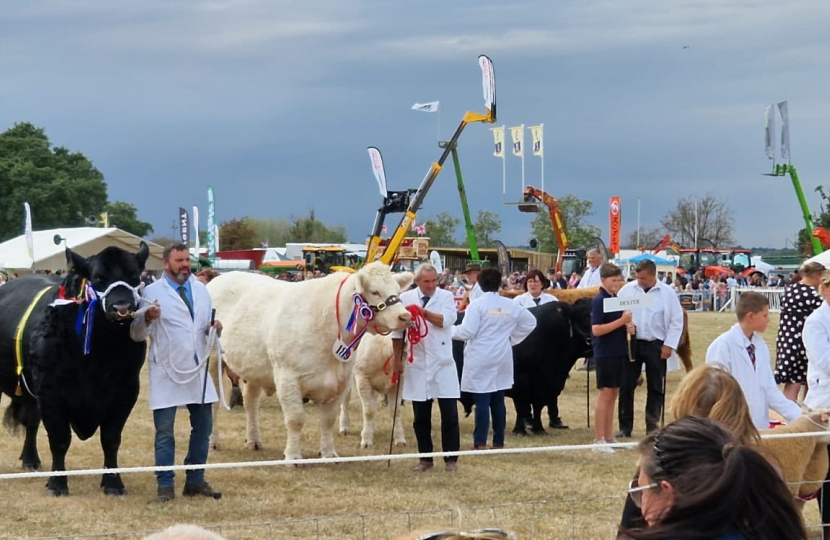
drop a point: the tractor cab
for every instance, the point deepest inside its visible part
(325, 259)
(708, 260)
(574, 260)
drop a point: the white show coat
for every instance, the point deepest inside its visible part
(816, 338)
(590, 278)
(490, 325)
(526, 299)
(176, 342)
(432, 373)
(761, 393)
(475, 292)
(663, 320)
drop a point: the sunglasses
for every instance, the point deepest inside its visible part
(635, 491)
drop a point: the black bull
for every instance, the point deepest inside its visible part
(542, 361)
(67, 389)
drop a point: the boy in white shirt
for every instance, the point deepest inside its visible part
(745, 355)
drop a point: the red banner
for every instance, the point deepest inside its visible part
(615, 217)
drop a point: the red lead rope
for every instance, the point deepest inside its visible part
(415, 334)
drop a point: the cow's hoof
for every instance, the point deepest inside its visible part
(57, 486)
(32, 466)
(400, 444)
(344, 431)
(520, 432)
(57, 492)
(254, 446)
(114, 491)
(540, 432)
(367, 444)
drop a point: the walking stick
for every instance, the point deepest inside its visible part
(207, 360)
(588, 392)
(397, 400)
(663, 412)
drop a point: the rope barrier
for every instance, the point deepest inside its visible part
(353, 459)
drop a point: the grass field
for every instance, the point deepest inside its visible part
(575, 494)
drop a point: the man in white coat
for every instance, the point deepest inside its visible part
(590, 277)
(178, 323)
(491, 325)
(658, 330)
(432, 374)
(471, 273)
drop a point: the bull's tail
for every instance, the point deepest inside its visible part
(19, 414)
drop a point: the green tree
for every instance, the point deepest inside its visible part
(124, 216)
(822, 219)
(164, 241)
(704, 218)
(274, 232)
(236, 234)
(648, 236)
(574, 213)
(486, 225)
(441, 230)
(62, 187)
(310, 229)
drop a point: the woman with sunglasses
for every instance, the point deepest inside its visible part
(697, 481)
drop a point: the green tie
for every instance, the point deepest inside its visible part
(183, 294)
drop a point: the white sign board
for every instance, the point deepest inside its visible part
(616, 303)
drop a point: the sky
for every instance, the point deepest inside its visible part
(273, 103)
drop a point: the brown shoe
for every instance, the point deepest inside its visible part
(451, 466)
(166, 493)
(204, 489)
(423, 466)
(477, 447)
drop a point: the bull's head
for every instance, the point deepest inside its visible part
(115, 275)
(381, 289)
(580, 318)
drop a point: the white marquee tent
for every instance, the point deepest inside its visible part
(86, 241)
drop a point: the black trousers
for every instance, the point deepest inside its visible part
(648, 353)
(450, 437)
(824, 504)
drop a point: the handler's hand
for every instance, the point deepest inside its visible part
(631, 328)
(627, 317)
(218, 325)
(665, 352)
(153, 312)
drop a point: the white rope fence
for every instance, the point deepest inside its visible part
(354, 459)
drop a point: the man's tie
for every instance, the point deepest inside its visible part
(536, 301)
(183, 294)
(424, 301)
(751, 351)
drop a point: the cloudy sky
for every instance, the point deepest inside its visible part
(274, 102)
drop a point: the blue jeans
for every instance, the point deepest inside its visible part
(201, 424)
(492, 402)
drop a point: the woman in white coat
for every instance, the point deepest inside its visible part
(491, 325)
(534, 285)
(816, 337)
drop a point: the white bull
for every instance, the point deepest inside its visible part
(282, 336)
(373, 378)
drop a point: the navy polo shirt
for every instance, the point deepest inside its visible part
(611, 344)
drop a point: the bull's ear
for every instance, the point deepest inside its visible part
(404, 280)
(142, 255)
(77, 264)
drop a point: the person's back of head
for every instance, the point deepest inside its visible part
(750, 302)
(710, 392)
(703, 484)
(489, 279)
(184, 532)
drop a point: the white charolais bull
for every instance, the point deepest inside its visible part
(285, 336)
(373, 378)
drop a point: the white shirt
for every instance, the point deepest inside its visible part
(475, 292)
(526, 299)
(816, 337)
(663, 320)
(176, 342)
(730, 351)
(432, 373)
(590, 278)
(490, 325)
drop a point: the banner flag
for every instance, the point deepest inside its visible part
(432, 106)
(785, 131)
(196, 229)
(212, 241)
(30, 235)
(216, 237)
(498, 141)
(488, 82)
(184, 225)
(105, 219)
(378, 169)
(769, 132)
(536, 132)
(615, 216)
(518, 136)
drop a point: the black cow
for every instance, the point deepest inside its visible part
(80, 368)
(544, 359)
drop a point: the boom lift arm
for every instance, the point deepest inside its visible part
(534, 196)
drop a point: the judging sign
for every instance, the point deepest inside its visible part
(616, 303)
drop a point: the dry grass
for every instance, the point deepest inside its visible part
(584, 489)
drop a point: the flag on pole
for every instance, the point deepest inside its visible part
(383, 229)
(769, 132)
(184, 225)
(498, 141)
(536, 132)
(212, 241)
(378, 170)
(785, 131)
(432, 106)
(196, 229)
(421, 230)
(615, 216)
(30, 235)
(518, 136)
(216, 237)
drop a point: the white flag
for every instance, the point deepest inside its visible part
(432, 106)
(769, 132)
(212, 241)
(498, 141)
(377, 168)
(196, 228)
(785, 131)
(537, 132)
(518, 136)
(30, 235)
